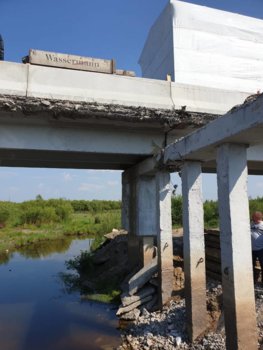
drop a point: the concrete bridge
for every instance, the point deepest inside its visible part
(55, 118)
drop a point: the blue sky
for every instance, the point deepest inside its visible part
(106, 29)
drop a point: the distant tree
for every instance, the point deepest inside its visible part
(39, 198)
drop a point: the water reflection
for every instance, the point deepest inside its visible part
(37, 314)
(43, 249)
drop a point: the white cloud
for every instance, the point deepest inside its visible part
(67, 177)
(87, 187)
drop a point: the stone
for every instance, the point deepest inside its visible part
(123, 310)
(127, 299)
(132, 315)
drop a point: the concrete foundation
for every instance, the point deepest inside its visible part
(194, 251)
(237, 276)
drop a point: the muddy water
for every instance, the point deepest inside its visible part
(36, 311)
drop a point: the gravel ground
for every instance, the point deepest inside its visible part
(166, 329)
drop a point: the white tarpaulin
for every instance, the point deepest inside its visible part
(201, 46)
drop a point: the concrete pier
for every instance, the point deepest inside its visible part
(194, 250)
(164, 236)
(237, 276)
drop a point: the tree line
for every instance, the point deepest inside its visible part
(40, 211)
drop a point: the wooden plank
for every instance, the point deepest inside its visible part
(54, 59)
(213, 252)
(213, 266)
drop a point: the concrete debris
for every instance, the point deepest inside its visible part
(74, 110)
(248, 101)
(127, 299)
(166, 329)
(142, 277)
(123, 310)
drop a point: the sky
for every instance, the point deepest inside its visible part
(104, 29)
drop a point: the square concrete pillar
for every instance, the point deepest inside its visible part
(129, 208)
(164, 236)
(139, 217)
(194, 250)
(237, 276)
(146, 217)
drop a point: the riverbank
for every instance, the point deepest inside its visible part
(82, 224)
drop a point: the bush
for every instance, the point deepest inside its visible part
(177, 211)
(38, 216)
(4, 215)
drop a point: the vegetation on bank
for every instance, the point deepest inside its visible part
(211, 216)
(39, 219)
(105, 291)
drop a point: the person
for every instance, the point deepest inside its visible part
(257, 242)
(1, 48)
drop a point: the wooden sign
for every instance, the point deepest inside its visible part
(53, 59)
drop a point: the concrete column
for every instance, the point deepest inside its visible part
(125, 208)
(146, 217)
(164, 236)
(237, 276)
(194, 250)
(129, 207)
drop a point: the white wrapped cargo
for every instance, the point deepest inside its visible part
(202, 46)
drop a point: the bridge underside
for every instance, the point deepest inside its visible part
(57, 134)
(71, 160)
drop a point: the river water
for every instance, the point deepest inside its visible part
(37, 312)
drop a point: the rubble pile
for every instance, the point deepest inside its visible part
(165, 330)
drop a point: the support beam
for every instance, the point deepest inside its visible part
(194, 251)
(237, 276)
(164, 236)
(243, 125)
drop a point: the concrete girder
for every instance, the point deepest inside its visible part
(243, 125)
(71, 85)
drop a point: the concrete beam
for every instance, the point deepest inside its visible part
(71, 85)
(202, 98)
(13, 78)
(164, 236)
(236, 260)
(194, 249)
(242, 125)
(147, 167)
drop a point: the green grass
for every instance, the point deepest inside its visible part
(93, 225)
(111, 297)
